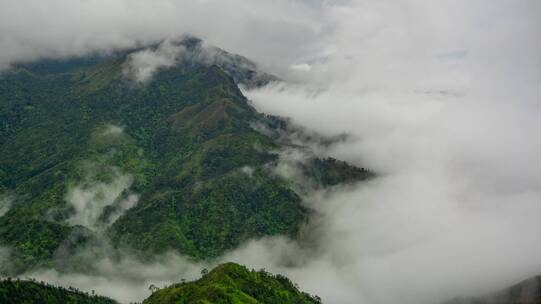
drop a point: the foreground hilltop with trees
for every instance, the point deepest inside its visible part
(226, 283)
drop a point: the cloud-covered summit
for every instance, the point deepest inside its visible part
(190, 51)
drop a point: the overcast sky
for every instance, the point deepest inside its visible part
(441, 99)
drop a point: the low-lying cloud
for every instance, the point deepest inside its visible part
(446, 114)
(127, 279)
(90, 198)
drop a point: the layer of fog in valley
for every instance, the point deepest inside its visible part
(441, 100)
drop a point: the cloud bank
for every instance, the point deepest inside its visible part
(58, 28)
(446, 112)
(440, 99)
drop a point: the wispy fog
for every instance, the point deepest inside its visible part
(440, 98)
(126, 279)
(90, 198)
(6, 201)
(142, 65)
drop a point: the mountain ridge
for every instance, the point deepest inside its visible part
(170, 164)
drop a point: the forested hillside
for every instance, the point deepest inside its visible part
(170, 163)
(31, 292)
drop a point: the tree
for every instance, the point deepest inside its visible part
(153, 288)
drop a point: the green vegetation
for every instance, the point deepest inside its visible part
(31, 292)
(227, 283)
(331, 172)
(203, 174)
(232, 283)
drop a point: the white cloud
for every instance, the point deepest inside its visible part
(454, 140)
(126, 280)
(303, 67)
(91, 197)
(142, 65)
(56, 28)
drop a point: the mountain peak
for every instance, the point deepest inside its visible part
(173, 164)
(233, 283)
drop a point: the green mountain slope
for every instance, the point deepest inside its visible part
(29, 292)
(172, 164)
(232, 283)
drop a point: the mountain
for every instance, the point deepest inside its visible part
(226, 283)
(151, 157)
(232, 283)
(525, 292)
(31, 292)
